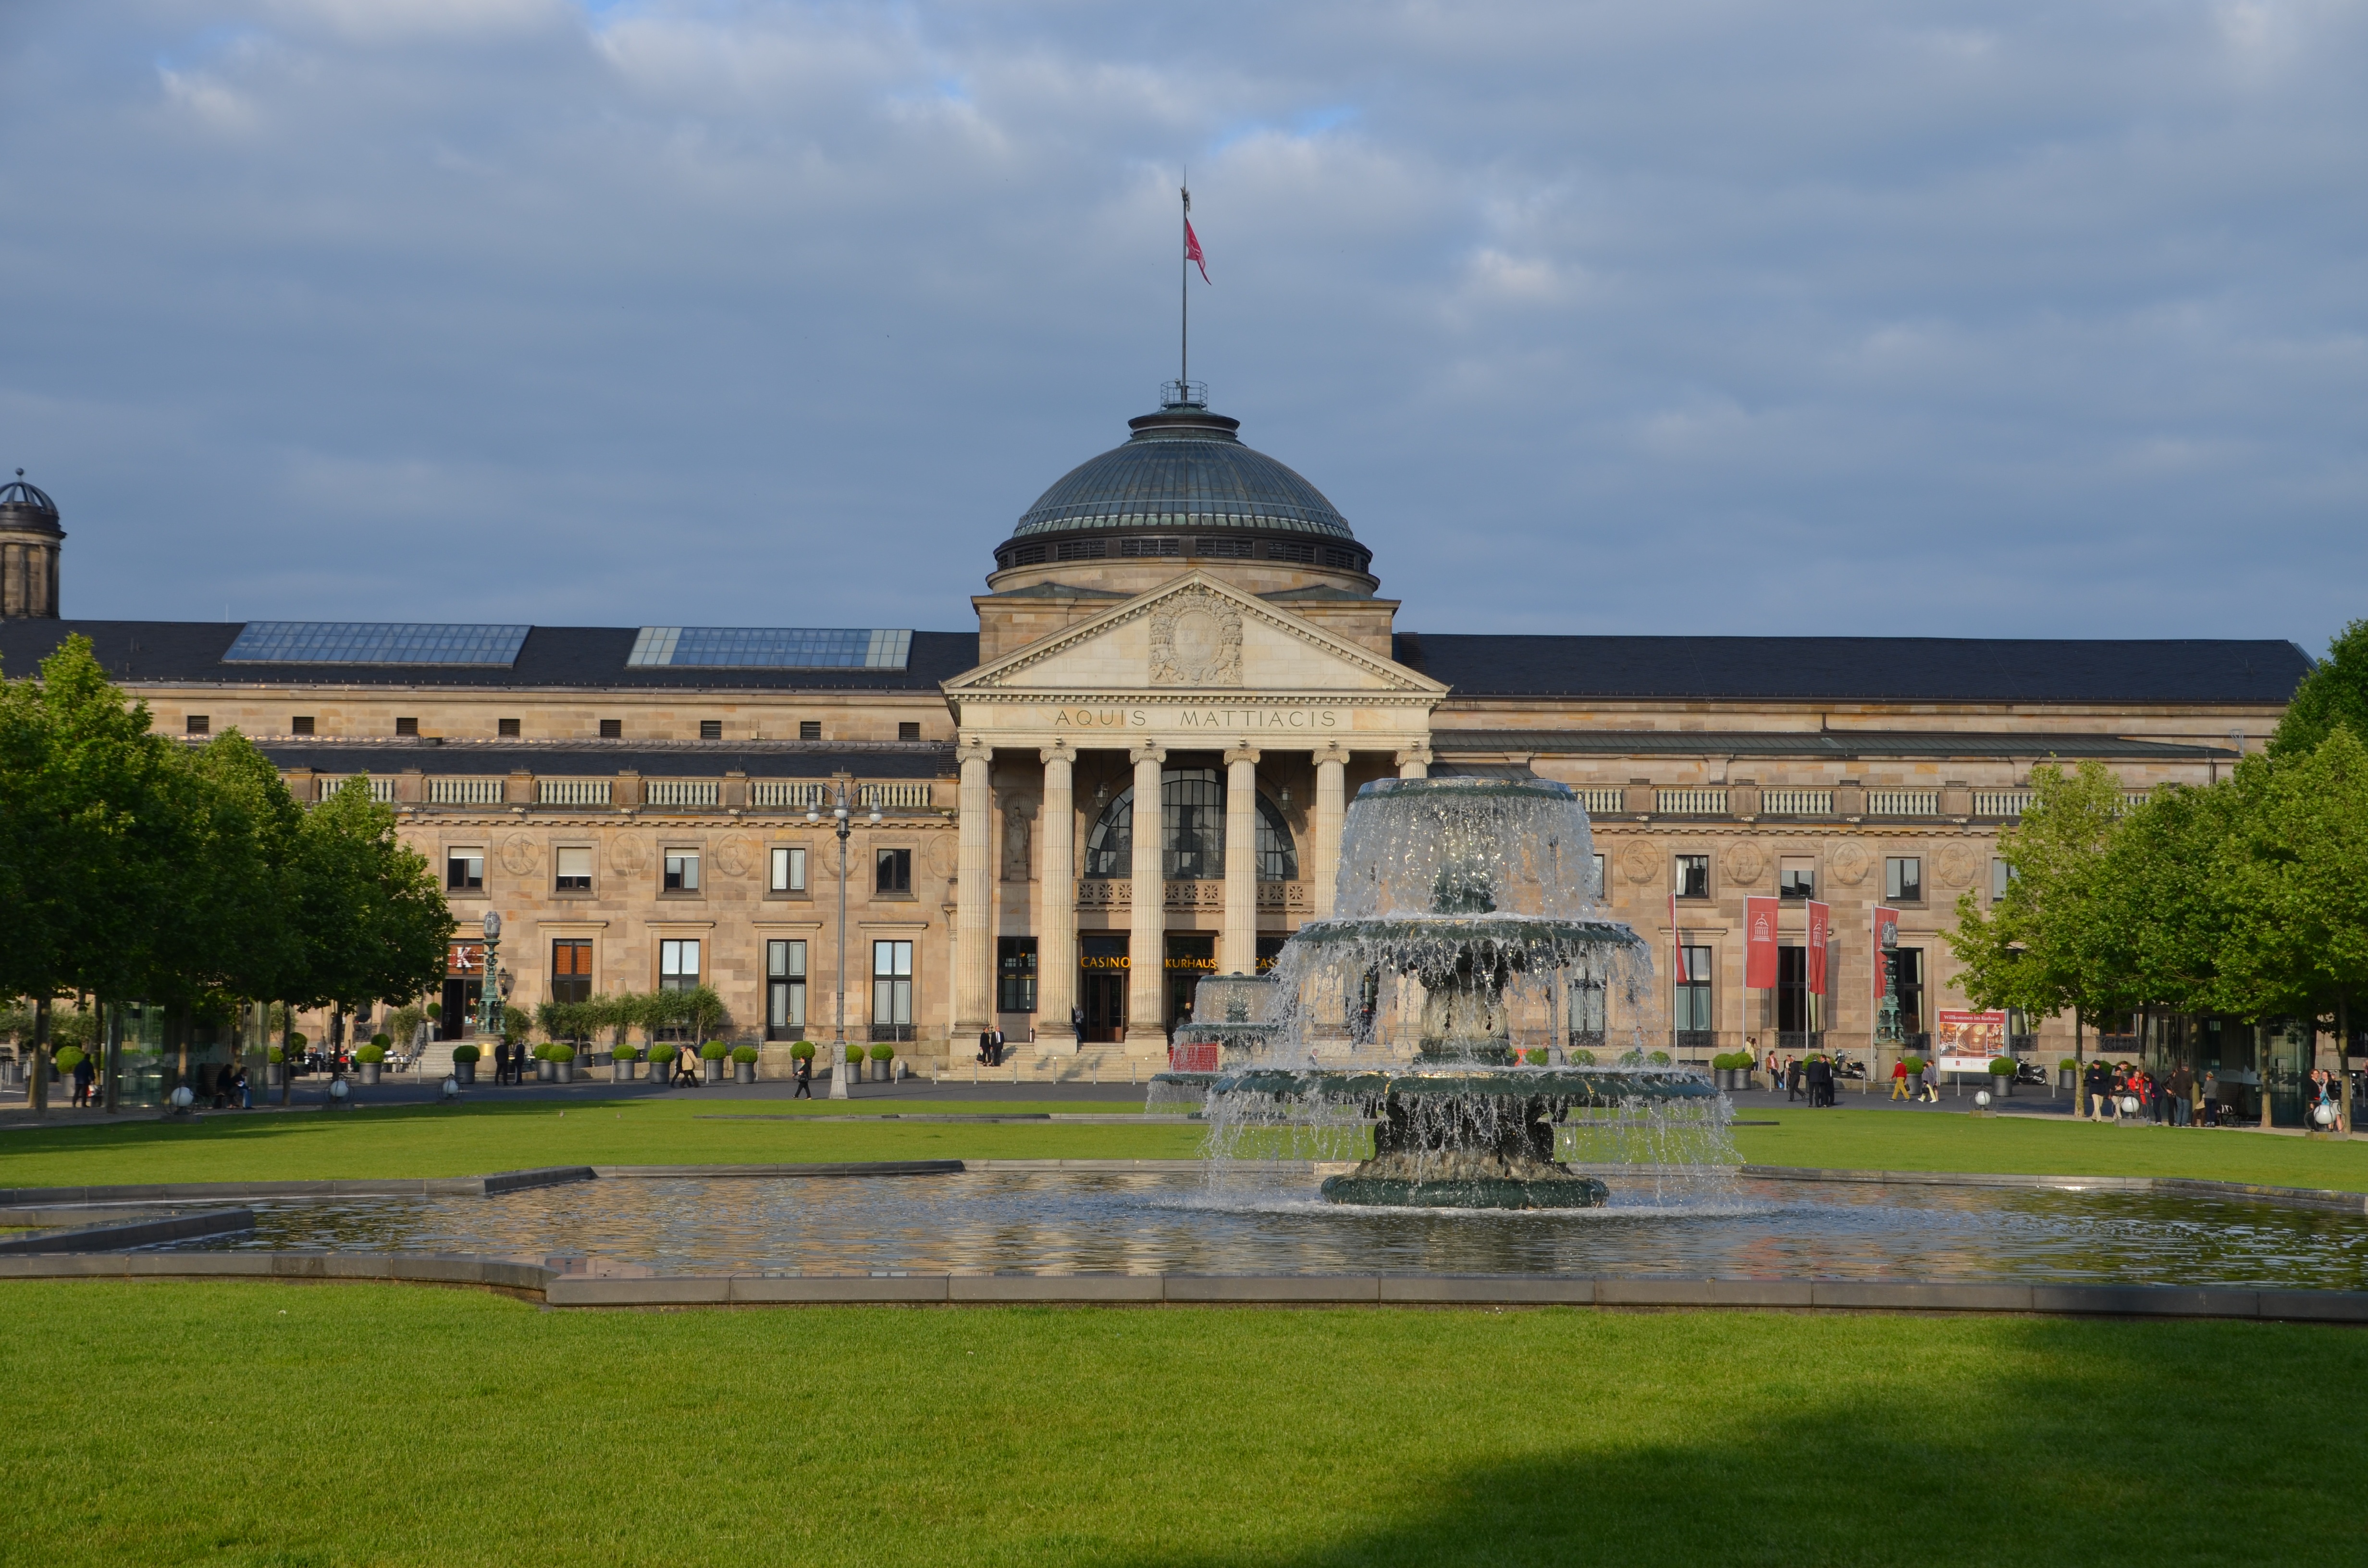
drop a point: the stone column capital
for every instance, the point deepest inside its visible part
(1144, 754)
(1241, 753)
(974, 745)
(1059, 751)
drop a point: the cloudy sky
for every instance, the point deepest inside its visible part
(1691, 316)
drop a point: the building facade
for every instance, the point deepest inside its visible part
(1183, 616)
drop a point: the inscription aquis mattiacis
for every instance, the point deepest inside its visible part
(1236, 721)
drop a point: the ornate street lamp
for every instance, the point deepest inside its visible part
(1886, 1015)
(489, 990)
(842, 827)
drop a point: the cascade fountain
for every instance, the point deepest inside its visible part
(1454, 1004)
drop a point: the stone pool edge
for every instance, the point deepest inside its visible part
(570, 1291)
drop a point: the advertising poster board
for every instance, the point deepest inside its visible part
(1965, 1042)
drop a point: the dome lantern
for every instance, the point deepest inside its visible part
(29, 538)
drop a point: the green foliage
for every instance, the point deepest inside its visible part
(2334, 694)
(884, 1052)
(1914, 1064)
(625, 1053)
(713, 1050)
(803, 1051)
(435, 1010)
(2001, 1067)
(1535, 1056)
(371, 1053)
(381, 1040)
(515, 1023)
(1583, 1058)
(297, 1040)
(466, 1053)
(2039, 947)
(1660, 1058)
(67, 1058)
(1731, 1061)
(277, 1057)
(404, 1021)
(743, 1053)
(561, 1051)
(855, 1054)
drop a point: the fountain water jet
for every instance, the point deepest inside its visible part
(1438, 1006)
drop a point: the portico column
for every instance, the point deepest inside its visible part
(1240, 947)
(973, 898)
(1323, 863)
(1146, 942)
(1056, 904)
(1415, 762)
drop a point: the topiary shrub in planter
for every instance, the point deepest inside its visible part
(710, 1061)
(1535, 1056)
(1583, 1058)
(803, 1051)
(464, 1062)
(620, 1063)
(561, 1058)
(381, 1040)
(68, 1058)
(744, 1064)
(2001, 1075)
(371, 1057)
(884, 1062)
(1734, 1068)
(1914, 1064)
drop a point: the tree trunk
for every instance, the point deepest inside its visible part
(287, 1051)
(2079, 1069)
(2342, 1063)
(38, 1095)
(110, 1031)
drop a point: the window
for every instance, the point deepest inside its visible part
(1587, 1014)
(1595, 877)
(710, 729)
(785, 990)
(573, 863)
(891, 871)
(301, 725)
(1015, 974)
(891, 991)
(681, 871)
(1796, 877)
(809, 729)
(612, 729)
(1693, 998)
(1693, 876)
(406, 726)
(2000, 874)
(908, 732)
(788, 869)
(1192, 833)
(465, 871)
(1910, 985)
(506, 729)
(678, 963)
(198, 723)
(1797, 1007)
(1903, 879)
(570, 970)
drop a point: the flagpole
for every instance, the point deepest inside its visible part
(1184, 289)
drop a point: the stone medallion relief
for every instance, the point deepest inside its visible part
(1957, 864)
(1744, 862)
(1848, 863)
(1195, 640)
(736, 855)
(1641, 861)
(520, 854)
(629, 855)
(941, 855)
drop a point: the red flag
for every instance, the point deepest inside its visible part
(1760, 943)
(1677, 942)
(1192, 250)
(1821, 920)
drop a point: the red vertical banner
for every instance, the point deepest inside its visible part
(1887, 935)
(1760, 943)
(1821, 920)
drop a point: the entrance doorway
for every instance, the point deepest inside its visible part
(1190, 955)
(1101, 988)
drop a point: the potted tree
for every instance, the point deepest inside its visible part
(1535, 1056)
(2001, 1076)
(371, 1059)
(464, 1062)
(621, 1063)
(710, 1061)
(559, 1057)
(883, 1059)
(544, 1073)
(744, 1064)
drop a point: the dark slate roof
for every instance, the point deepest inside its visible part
(1183, 468)
(1859, 669)
(885, 759)
(149, 651)
(1839, 745)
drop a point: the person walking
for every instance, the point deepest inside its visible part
(83, 1071)
(2181, 1096)
(2097, 1085)
(803, 1072)
(1791, 1078)
(1927, 1082)
(986, 1046)
(1899, 1081)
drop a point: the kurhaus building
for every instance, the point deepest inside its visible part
(1182, 619)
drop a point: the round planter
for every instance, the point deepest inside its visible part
(371, 1070)
(743, 1071)
(466, 1072)
(546, 1072)
(564, 1070)
(2001, 1085)
(274, 1075)
(710, 1071)
(621, 1071)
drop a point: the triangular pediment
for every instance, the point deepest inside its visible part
(1195, 634)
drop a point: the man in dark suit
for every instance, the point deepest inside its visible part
(986, 1047)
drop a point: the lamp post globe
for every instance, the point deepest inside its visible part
(489, 987)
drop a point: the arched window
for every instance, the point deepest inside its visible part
(1193, 837)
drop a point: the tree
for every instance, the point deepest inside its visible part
(372, 923)
(2334, 693)
(2043, 946)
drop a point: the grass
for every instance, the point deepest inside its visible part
(238, 1422)
(469, 1140)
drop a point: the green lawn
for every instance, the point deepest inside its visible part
(165, 1422)
(470, 1141)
